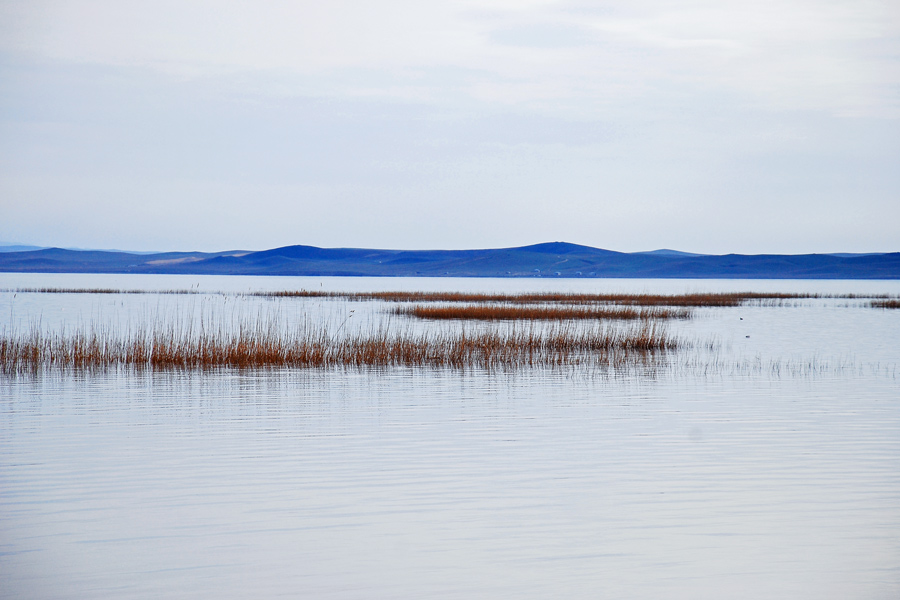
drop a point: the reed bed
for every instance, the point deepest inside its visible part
(684, 300)
(54, 290)
(494, 312)
(727, 299)
(266, 344)
(885, 304)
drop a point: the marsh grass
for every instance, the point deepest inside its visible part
(54, 290)
(265, 343)
(495, 312)
(684, 300)
(885, 304)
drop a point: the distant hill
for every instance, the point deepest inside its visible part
(17, 248)
(667, 252)
(554, 259)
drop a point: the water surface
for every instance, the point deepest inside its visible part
(711, 479)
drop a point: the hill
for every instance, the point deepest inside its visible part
(554, 259)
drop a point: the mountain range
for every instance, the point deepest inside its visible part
(553, 259)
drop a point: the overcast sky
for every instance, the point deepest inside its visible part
(705, 126)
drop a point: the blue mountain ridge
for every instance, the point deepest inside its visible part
(551, 259)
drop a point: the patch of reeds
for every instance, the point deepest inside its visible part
(724, 299)
(685, 300)
(501, 312)
(53, 290)
(266, 344)
(885, 304)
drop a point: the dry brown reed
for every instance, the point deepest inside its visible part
(49, 290)
(266, 344)
(495, 312)
(886, 304)
(684, 300)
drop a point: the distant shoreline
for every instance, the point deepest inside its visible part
(554, 260)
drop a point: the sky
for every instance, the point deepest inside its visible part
(704, 126)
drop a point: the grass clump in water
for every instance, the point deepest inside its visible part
(266, 344)
(494, 312)
(686, 300)
(885, 304)
(726, 299)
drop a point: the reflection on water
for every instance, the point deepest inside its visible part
(414, 483)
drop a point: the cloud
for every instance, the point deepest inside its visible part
(795, 54)
(704, 126)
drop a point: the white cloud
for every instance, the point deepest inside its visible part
(631, 125)
(795, 54)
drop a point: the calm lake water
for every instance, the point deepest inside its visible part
(766, 466)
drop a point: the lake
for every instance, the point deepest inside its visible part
(762, 460)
